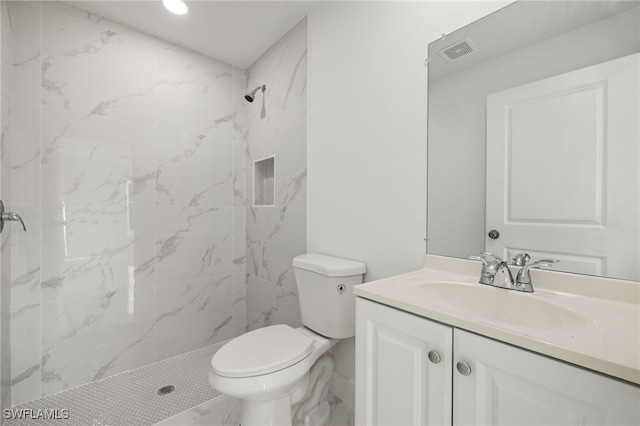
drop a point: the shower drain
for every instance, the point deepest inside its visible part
(166, 390)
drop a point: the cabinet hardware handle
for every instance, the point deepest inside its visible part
(463, 368)
(434, 357)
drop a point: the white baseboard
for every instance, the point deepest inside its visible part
(343, 388)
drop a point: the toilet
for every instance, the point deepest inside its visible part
(272, 369)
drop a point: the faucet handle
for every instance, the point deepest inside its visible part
(481, 259)
(520, 259)
(524, 278)
(542, 263)
(487, 254)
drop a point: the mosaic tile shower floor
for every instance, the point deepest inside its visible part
(131, 398)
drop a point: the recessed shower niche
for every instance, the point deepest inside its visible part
(264, 182)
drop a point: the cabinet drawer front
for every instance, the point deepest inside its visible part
(396, 382)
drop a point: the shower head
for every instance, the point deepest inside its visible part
(252, 95)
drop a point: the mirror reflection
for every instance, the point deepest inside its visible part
(534, 136)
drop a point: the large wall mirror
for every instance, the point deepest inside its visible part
(534, 136)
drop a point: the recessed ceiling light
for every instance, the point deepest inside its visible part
(176, 6)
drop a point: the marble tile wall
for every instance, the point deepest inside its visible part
(277, 126)
(128, 164)
(6, 129)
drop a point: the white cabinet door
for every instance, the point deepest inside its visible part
(511, 386)
(396, 383)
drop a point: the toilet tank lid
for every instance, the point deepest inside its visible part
(328, 265)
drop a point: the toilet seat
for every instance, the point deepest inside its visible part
(262, 351)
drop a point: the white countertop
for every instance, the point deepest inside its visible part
(608, 342)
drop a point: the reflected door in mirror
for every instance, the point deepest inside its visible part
(559, 152)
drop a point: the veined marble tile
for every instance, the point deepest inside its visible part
(102, 22)
(257, 126)
(26, 18)
(341, 414)
(239, 103)
(89, 230)
(193, 169)
(6, 29)
(290, 145)
(239, 241)
(289, 81)
(6, 137)
(239, 302)
(25, 353)
(73, 12)
(88, 338)
(254, 253)
(284, 40)
(192, 314)
(90, 145)
(144, 249)
(255, 315)
(89, 249)
(274, 237)
(284, 237)
(5, 317)
(82, 69)
(268, 303)
(95, 159)
(258, 116)
(193, 93)
(284, 71)
(280, 304)
(220, 411)
(249, 177)
(25, 255)
(193, 242)
(25, 153)
(240, 161)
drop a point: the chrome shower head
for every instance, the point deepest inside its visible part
(252, 95)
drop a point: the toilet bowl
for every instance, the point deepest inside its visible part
(268, 369)
(264, 368)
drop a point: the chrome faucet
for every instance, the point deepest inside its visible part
(496, 272)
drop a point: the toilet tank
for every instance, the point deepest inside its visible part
(325, 291)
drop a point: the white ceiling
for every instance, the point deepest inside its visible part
(236, 31)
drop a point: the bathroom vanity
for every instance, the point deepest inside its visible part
(532, 147)
(434, 347)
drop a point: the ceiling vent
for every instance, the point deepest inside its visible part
(457, 50)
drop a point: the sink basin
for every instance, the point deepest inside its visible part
(528, 310)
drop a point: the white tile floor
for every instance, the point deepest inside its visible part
(131, 398)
